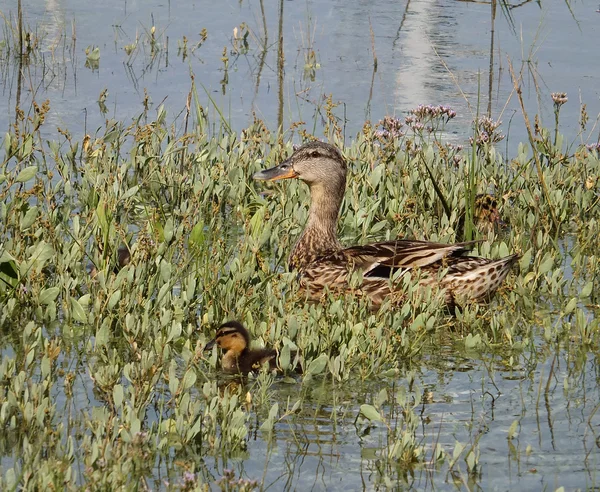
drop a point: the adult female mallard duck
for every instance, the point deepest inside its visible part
(239, 358)
(323, 262)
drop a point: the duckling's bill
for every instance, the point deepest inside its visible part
(282, 171)
(210, 345)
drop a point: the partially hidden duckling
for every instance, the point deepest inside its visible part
(487, 218)
(239, 358)
(123, 259)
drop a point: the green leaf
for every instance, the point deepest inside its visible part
(26, 174)
(571, 305)
(114, 299)
(587, 290)
(197, 235)
(48, 295)
(546, 264)
(317, 365)
(118, 395)
(130, 192)
(370, 412)
(9, 270)
(78, 311)
(168, 230)
(189, 379)
(512, 430)
(29, 218)
(101, 215)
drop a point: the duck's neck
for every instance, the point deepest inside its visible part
(320, 234)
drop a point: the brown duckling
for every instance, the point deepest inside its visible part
(486, 219)
(123, 259)
(239, 358)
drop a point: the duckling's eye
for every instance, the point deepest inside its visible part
(314, 154)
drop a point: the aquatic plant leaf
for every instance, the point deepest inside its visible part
(48, 295)
(118, 395)
(284, 357)
(546, 265)
(472, 341)
(458, 448)
(512, 431)
(525, 260)
(29, 218)
(40, 255)
(317, 365)
(101, 215)
(114, 299)
(370, 412)
(587, 289)
(130, 192)
(168, 230)
(9, 273)
(78, 311)
(471, 461)
(26, 174)
(571, 305)
(197, 235)
(189, 379)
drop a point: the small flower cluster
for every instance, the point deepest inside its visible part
(228, 482)
(391, 127)
(487, 131)
(415, 124)
(429, 118)
(594, 146)
(559, 98)
(429, 112)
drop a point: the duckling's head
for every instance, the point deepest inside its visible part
(315, 163)
(231, 336)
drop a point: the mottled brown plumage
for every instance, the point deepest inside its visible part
(239, 358)
(486, 216)
(324, 263)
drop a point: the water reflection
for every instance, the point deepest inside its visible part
(378, 58)
(535, 420)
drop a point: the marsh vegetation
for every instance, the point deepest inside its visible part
(104, 380)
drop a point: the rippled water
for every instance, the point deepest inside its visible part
(552, 397)
(428, 52)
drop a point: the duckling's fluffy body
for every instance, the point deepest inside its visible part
(239, 358)
(323, 263)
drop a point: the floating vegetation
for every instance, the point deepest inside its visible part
(203, 245)
(122, 251)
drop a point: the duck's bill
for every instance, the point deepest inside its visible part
(282, 171)
(210, 345)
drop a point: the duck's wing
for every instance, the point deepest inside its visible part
(381, 259)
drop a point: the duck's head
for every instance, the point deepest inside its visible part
(314, 163)
(231, 336)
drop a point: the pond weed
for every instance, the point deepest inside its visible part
(103, 382)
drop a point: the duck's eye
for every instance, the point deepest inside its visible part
(313, 154)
